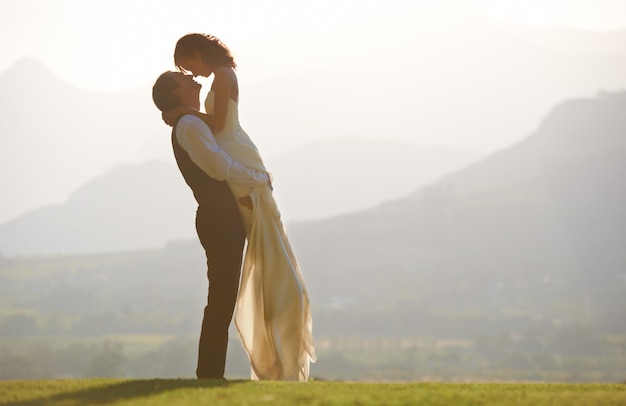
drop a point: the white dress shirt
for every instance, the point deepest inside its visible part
(196, 138)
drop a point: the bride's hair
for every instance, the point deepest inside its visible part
(213, 50)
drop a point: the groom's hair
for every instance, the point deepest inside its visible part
(162, 90)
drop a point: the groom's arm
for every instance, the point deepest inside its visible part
(195, 137)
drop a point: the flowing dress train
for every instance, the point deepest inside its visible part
(273, 314)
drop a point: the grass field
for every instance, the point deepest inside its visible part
(245, 392)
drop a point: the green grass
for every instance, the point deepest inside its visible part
(244, 392)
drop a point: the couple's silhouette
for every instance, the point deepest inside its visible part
(233, 189)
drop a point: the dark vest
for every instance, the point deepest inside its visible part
(209, 193)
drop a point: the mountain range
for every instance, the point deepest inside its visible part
(480, 85)
(542, 220)
(95, 131)
(145, 206)
(552, 197)
(532, 235)
(57, 137)
(514, 264)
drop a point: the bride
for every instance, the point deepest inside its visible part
(273, 316)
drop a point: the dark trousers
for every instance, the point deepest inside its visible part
(222, 236)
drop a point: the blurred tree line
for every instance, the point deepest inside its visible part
(567, 353)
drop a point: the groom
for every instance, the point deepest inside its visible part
(206, 168)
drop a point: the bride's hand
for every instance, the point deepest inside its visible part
(245, 201)
(170, 116)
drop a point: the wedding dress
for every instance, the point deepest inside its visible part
(273, 315)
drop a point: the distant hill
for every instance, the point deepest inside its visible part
(477, 84)
(339, 175)
(525, 241)
(146, 206)
(132, 207)
(95, 131)
(56, 137)
(542, 220)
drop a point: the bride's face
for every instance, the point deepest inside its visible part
(196, 65)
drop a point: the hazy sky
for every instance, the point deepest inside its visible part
(111, 44)
(416, 71)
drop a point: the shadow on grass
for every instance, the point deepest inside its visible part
(110, 392)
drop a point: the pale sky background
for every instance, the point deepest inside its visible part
(120, 44)
(113, 45)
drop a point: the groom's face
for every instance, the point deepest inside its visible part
(188, 91)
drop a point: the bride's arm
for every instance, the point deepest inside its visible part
(223, 88)
(224, 83)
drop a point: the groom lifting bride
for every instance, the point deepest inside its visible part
(229, 181)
